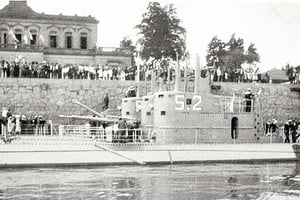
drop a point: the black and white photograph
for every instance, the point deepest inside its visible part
(150, 100)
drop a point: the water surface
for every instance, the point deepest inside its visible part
(176, 182)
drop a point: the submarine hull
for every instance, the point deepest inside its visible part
(48, 152)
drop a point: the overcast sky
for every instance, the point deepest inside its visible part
(272, 25)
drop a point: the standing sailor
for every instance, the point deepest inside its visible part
(106, 102)
(287, 132)
(274, 126)
(248, 97)
(122, 127)
(18, 124)
(5, 114)
(268, 128)
(293, 131)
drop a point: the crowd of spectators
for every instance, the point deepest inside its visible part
(74, 71)
(248, 75)
(106, 72)
(290, 130)
(15, 124)
(68, 71)
(293, 75)
(237, 75)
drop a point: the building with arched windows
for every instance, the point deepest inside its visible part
(63, 39)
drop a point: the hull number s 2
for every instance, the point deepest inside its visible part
(182, 103)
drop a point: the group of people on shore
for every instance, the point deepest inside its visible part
(15, 124)
(237, 75)
(68, 71)
(290, 130)
(271, 127)
(248, 75)
(22, 69)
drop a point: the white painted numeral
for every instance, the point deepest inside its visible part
(197, 100)
(179, 101)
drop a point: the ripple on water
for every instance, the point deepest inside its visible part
(176, 182)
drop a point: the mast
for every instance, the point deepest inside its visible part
(153, 78)
(169, 77)
(197, 75)
(138, 81)
(177, 75)
(185, 74)
(138, 73)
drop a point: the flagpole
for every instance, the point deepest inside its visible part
(177, 74)
(138, 73)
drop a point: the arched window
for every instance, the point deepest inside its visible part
(33, 36)
(68, 40)
(83, 40)
(3, 35)
(53, 39)
(18, 34)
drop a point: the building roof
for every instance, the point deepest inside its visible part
(277, 74)
(17, 9)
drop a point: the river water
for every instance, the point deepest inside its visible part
(175, 182)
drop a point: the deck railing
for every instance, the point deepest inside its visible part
(235, 105)
(110, 134)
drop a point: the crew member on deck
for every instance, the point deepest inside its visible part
(268, 128)
(287, 132)
(293, 130)
(274, 126)
(122, 126)
(106, 102)
(5, 115)
(248, 96)
(10, 125)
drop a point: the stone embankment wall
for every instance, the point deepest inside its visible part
(51, 98)
(277, 100)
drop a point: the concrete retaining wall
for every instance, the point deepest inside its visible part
(278, 101)
(51, 98)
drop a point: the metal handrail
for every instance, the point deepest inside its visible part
(111, 134)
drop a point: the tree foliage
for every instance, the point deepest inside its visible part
(231, 55)
(161, 33)
(290, 70)
(235, 55)
(216, 52)
(128, 44)
(252, 55)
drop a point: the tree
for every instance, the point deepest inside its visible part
(235, 55)
(216, 52)
(298, 68)
(161, 33)
(128, 44)
(235, 44)
(230, 56)
(251, 54)
(289, 70)
(234, 59)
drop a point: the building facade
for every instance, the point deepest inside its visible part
(63, 39)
